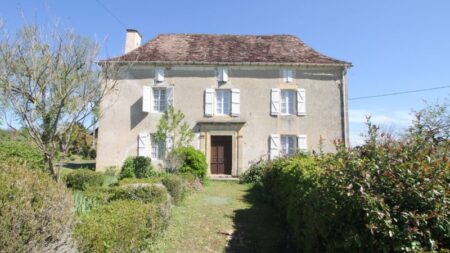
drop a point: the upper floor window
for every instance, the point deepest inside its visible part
(288, 75)
(222, 102)
(159, 99)
(288, 101)
(288, 144)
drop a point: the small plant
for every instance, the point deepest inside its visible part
(83, 204)
(194, 162)
(136, 166)
(81, 179)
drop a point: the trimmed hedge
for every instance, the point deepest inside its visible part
(194, 162)
(147, 193)
(175, 186)
(137, 166)
(81, 179)
(35, 212)
(122, 226)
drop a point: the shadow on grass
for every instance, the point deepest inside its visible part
(256, 228)
(80, 165)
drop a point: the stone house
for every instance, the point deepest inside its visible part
(246, 97)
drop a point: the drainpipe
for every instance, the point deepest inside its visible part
(345, 123)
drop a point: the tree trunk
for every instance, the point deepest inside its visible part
(48, 159)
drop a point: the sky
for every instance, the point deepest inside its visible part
(394, 45)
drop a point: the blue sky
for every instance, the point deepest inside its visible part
(394, 45)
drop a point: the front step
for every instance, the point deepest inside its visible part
(222, 177)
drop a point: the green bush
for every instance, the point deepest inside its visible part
(122, 226)
(21, 152)
(35, 212)
(175, 186)
(147, 193)
(137, 166)
(81, 179)
(254, 174)
(194, 162)
(385, 196)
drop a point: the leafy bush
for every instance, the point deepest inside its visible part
(21, 152)
(194, 162)
(148, 193)
(35, 212)
(254, 174)
(122, 226)
(137, 166)
(83, 204)
(385, 196)
(175, 186)
(150, 180)
(81, 179)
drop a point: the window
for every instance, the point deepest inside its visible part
(288, 145)
(222, 102)
(288, 101)
(158, 149)
(159, 100)
(288, 75)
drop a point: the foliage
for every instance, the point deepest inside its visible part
(50, 83)
(385, 196)
(175, 186)
(254, 174)
(122, 226)
(194, 162)
(147, 193)
(150, 180)
(171, 127)
(137, 166)
(21, 152)
(81, 179)
(35, 212)
(83, 204)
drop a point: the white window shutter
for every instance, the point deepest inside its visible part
(147, 99)
(235, 102)
(222, 74)
(209, 100)
(301, 102)
(302, 142)
(159, 74)
(275, 146)
(170, 93)
(275, 101)
(142, 144)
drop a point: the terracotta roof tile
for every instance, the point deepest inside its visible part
(207, 48)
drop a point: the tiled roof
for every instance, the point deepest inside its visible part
(227, 49)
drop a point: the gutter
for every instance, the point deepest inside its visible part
(345, 120)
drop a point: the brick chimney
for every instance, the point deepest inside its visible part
(133, 40)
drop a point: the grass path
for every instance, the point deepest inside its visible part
(224, 217)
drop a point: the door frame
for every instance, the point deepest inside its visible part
(230, 154)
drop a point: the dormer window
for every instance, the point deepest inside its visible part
(222, 74)
(288, 75)
(159, 74)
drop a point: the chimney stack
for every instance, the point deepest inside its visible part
(133, 40)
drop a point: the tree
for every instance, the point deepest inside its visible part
(172, 129)
(50, 82)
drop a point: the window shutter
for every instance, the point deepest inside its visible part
(274, 146)
(222, 74)
(301, 102)
(159, 74)
(147, 99)
(302, 143)
(170, 95)
(209, 98)
(197, 141)
(235, 102)
(275, 101)
(142, 144)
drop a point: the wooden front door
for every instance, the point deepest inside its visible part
(220, 155)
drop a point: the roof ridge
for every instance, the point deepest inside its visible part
(229, 34)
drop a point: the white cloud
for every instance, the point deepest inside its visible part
(396, 118)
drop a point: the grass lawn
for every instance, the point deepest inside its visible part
(224, 217)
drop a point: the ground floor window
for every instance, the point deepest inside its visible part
(288, 144)
(158, 149)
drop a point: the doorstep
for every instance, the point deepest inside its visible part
(222, 177)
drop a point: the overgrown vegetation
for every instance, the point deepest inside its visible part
(385, 196)
(81, 179)
(194, 162)
(35, 212)
(22, 153)
(137, 166)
